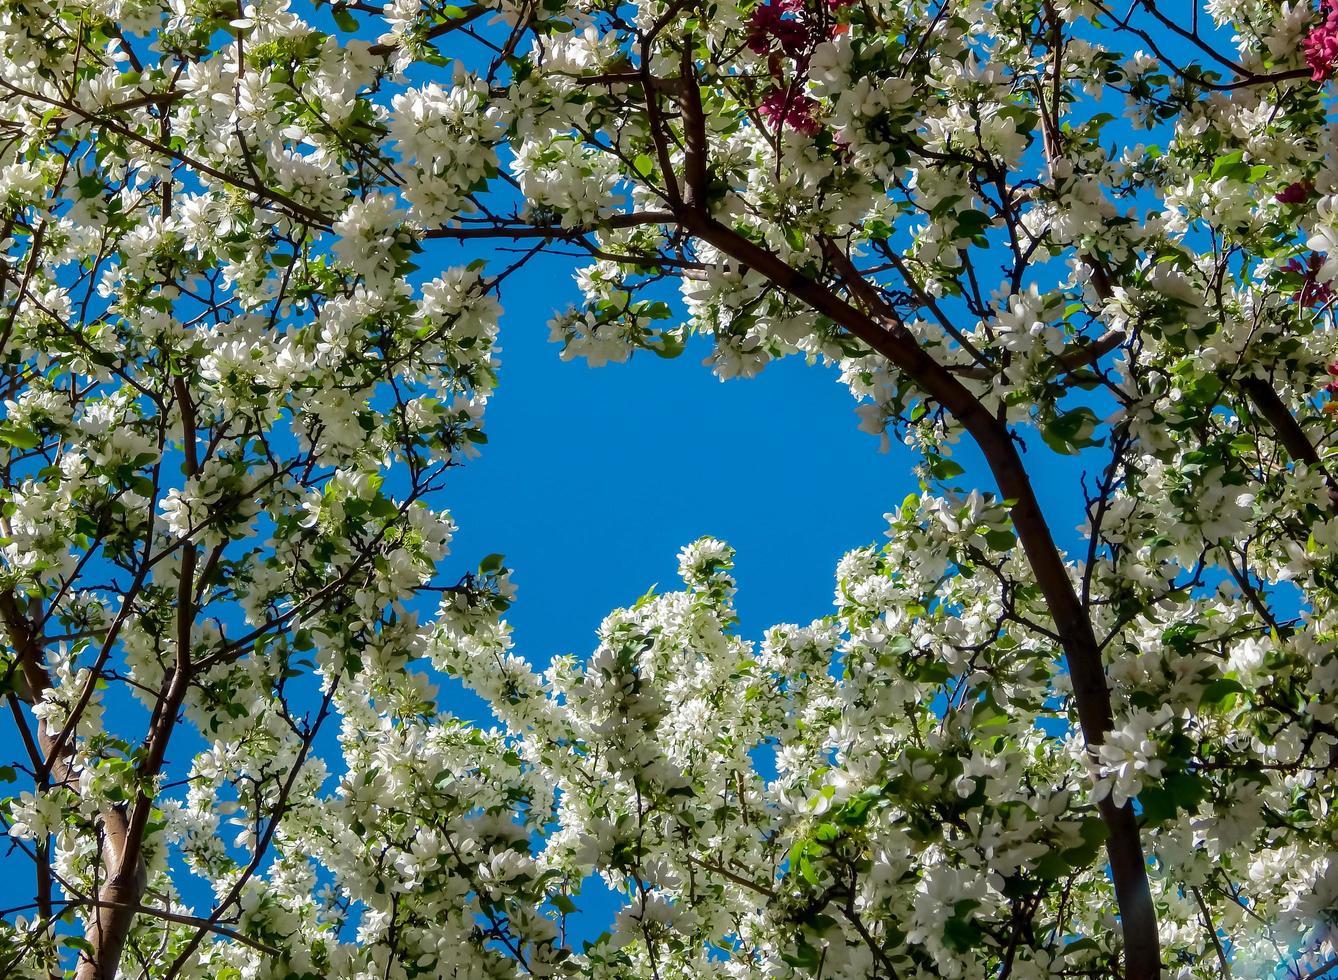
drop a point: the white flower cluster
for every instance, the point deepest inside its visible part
(250, 268)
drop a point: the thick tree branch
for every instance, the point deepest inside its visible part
(120, 896)
(119, 887)
(889, 337)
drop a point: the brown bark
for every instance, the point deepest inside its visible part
(108, 924)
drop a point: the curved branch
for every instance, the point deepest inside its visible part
(888, 336)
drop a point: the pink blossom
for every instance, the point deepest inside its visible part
(1321, 44)
(1297, 193)
(1332, 386)
(1312, 292)
(783, 107)
(774, 22)
(791, 26)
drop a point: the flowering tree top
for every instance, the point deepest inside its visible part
(238, 375)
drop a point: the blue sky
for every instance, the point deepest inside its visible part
(594, 478)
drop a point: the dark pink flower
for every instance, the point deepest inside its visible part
(1312, 291)
(783, 107)
(1321, 44)
(1297, 193)
(774, 23)
(1332, 386)
(1315, 294)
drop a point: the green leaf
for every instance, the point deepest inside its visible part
(943, 468)
(1093, 832)
(1221, 689)
(960, 933)
(971, 224)
(1180, 636)
(1081, 945)
(805, 957)
(1070, 432)
(1178, 791)
(806, 869)
(644, 165)
(933, 672)
(19, 438)
(855, 812)
(1230, 165)
(670, 345)
(1051, 866)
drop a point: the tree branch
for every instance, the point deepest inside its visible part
(889, 337)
